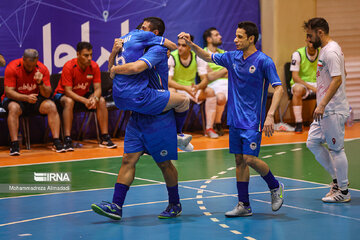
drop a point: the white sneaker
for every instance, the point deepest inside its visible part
(211, 133)
(183, 139)
(337, 197)
(277, 197)
(333, 189)
(187, 148)
(239, 211)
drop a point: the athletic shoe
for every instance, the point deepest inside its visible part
(239, 211)
(183, 139)
(187, 148)
(107, 209)
(58, 146)
(14, 148)
(334, 187)
(283, 127)
(337, 197)
(106, 142)
(172, 210)
(211, 133)
(219, 129)
(277, 197)
(298, 128)
(68, 144)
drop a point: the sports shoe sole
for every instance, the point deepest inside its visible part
(242, 215)
(106, 146)
(15, 154)
(163, 217)
(99, 211)
(59, 151)
(342, 201)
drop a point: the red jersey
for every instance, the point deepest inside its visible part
(73, 76)
(16, 76)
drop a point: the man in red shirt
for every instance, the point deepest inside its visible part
(27, 89)
(72, 91)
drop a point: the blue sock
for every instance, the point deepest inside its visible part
(180, 120)
(173, 194)
(120, 191)
(270, 180)
(243, 192)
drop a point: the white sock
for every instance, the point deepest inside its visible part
(323, 156)
(210, 111)
(341, 165)
(298, 113)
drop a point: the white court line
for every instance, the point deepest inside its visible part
(280, 153)
(267, 156)
(223, 225)
(250, 238)
(310, 210)
(296, 149)
(235, 232)
(202, 150)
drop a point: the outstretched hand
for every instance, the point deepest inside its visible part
(185, 36)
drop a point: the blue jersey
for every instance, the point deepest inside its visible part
(248, 87)
(134, 45)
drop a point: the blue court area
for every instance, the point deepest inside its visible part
(68, 215)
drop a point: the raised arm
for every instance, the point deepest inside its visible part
(118, 43)
(198, 50)
(170, 45)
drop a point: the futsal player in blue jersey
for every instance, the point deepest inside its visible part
(153, 134)
(250, 72)
(131, 92)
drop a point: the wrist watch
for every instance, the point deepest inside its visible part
(96, 98)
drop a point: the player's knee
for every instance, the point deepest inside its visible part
(184, 106)
(209, 92)
(298, 91)
(128, 160)
(14, 109)
(250, 161)
(312, 145)
(221, 99)
(67, 102)
(164, 165)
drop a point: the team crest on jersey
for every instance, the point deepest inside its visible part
(293, 62)
(252, 69)
(163, 153)
(320, 65)
(334, 141)
(253, 146)
(161, 90)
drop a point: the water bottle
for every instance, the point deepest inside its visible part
(350, 120)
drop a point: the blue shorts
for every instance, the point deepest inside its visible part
(244, 141)
(151, 101)
(153, 134)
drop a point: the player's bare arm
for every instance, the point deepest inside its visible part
(118, 43)
(297, 79)
(334, 85)
(269, 121)
(198, 50)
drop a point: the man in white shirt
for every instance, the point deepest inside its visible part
(331, 112)
(183, 67)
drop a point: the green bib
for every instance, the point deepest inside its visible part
(307, 70)
(214, 66)
(184, 75)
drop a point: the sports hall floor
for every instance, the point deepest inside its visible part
(207, 190)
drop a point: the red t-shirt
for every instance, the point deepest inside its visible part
(73, 76)
(16, 76)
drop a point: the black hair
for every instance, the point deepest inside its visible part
(83, 45)
(250, 29)
(207, 34)
(156, 24)
(317, 23)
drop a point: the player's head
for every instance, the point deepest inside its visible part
(84, 53)
(212, 36)
(30, 58)
(247, 35)
(309, 44)
(153, 24)
(316, 29)
(183, 48)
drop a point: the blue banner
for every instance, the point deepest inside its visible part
(54, 27)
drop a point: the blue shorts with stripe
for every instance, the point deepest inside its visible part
(150, 101)
(244, 141)
(152, 134)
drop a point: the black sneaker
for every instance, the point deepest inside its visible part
(106, 142)
(58, 146)
(298, 128)
(68, 144)
(14, 148)
(219, 129)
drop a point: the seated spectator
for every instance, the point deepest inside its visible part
(183, 66)
(2, 61)
(73, 91)
(27, 89)
(303, 82)
(217, 76)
